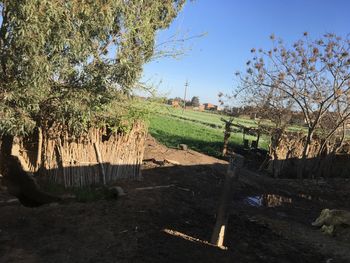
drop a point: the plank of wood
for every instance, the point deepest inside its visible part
(192, 239)
(154, 187)
(171, 161)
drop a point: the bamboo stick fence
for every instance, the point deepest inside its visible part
(95, 158)
(286, 151)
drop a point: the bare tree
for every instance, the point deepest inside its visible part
(311, 76)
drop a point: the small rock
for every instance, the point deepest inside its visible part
(117, 191)
(12, 201)
(183, 147)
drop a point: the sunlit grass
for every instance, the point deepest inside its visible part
(215, 119)
(172, 131)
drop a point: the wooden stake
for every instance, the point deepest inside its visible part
(220, 227)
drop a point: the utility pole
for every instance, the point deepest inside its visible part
(184, 107)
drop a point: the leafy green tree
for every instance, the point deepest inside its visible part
(74, 62)
(195, 101)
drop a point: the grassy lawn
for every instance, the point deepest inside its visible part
(172, 131)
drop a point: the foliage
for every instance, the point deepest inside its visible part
(74, 62)
(195, 101)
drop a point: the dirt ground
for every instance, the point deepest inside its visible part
(270, 220)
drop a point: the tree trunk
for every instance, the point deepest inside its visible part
(226, 140)
(20, 183)
(302, 165)
(227, 134)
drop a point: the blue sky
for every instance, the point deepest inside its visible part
(234, 27)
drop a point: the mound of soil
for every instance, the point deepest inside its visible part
(270, 220)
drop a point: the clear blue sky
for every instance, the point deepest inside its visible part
(234, 27)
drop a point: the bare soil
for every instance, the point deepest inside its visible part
(270, 220)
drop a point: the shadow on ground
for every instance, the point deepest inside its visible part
(130, 229)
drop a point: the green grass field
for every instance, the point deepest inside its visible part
(215, 119)
(207, 117)
(170, 130)
(201, 131)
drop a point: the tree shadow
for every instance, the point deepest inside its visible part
(132, 229)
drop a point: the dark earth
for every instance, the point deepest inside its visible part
(270, 219)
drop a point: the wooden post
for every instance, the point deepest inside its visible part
(246, 143)
(99, 160)
(257, 139)
(217, 238)
(40, 146)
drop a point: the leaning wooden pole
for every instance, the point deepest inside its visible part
(99, 160)
(217, 238)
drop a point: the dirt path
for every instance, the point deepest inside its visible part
(139, 226)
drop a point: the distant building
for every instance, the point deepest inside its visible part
(174, 103)
(213, 107)
(209, 106)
